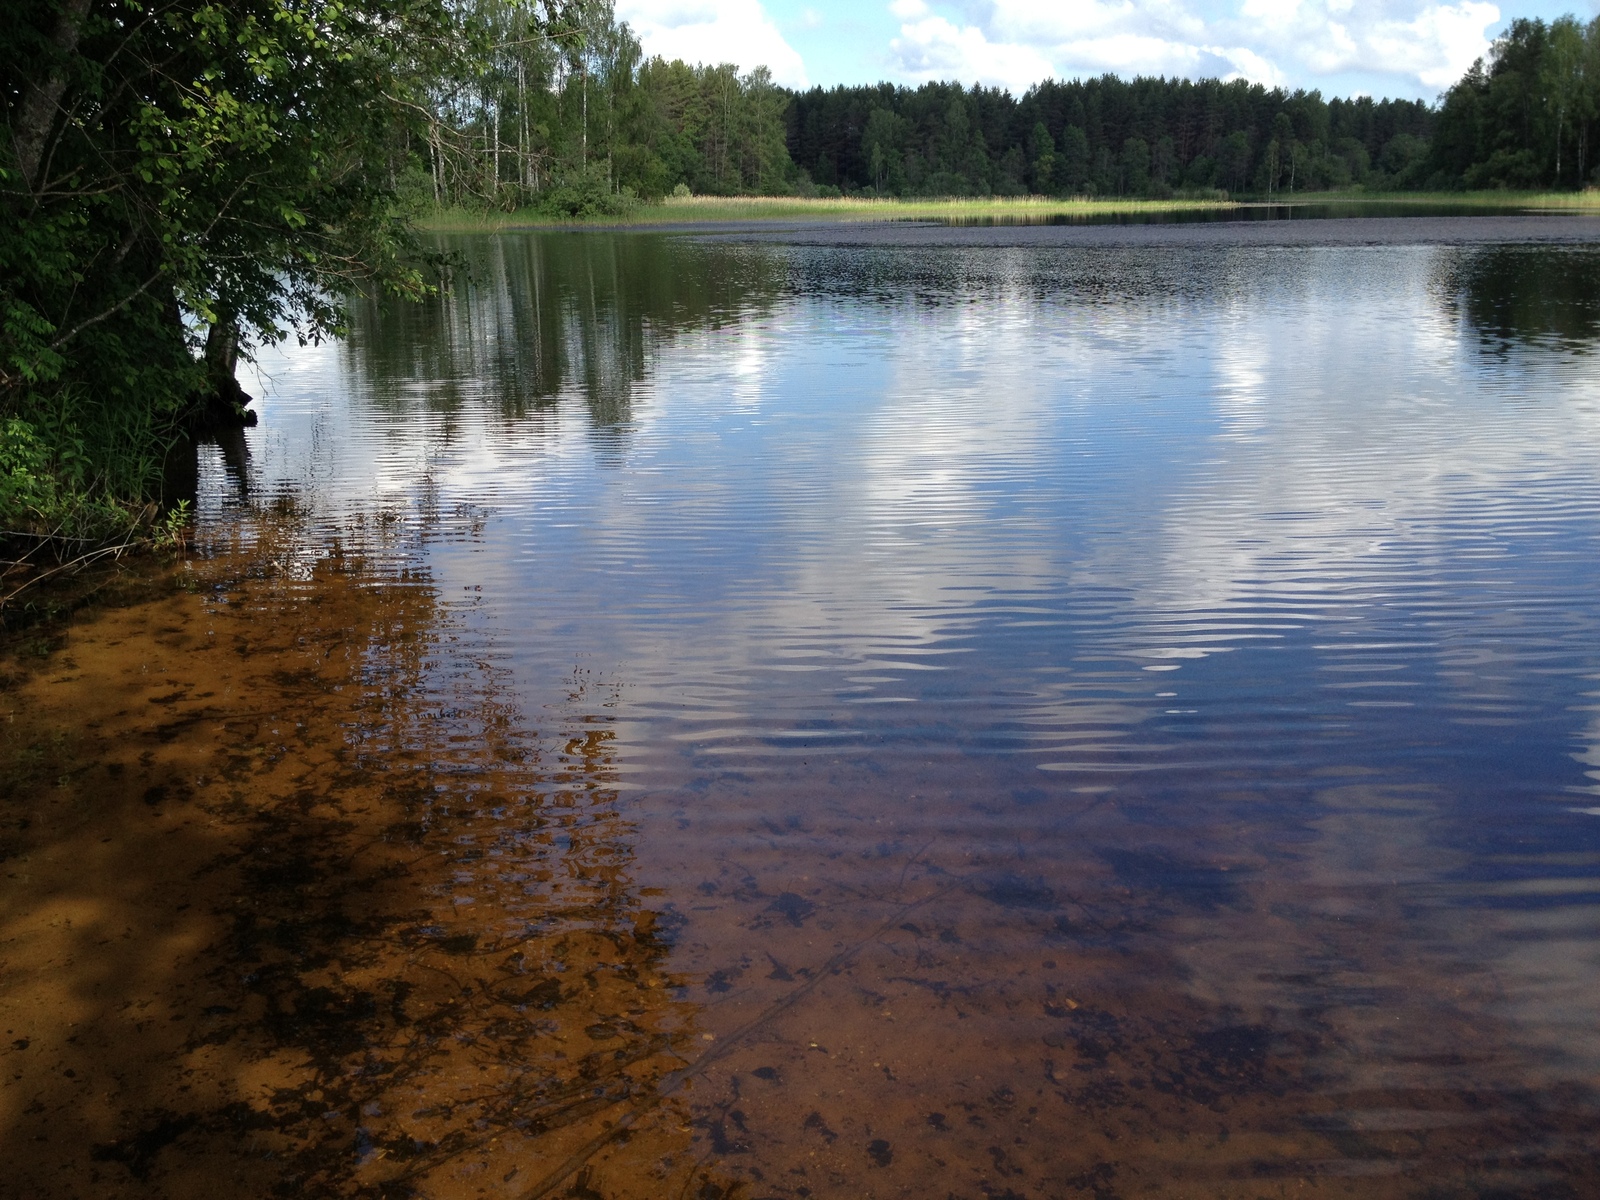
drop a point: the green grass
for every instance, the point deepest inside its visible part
(1586, 201)
(704, 209)
(716, 209)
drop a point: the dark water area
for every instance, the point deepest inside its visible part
(1295, 209)
(720, 717)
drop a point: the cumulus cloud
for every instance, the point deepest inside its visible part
(931, 47)
(714, 31)
(1444, 39)
(1427, 45)
(1415, 46)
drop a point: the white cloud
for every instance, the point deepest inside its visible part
(1439, 44)
(1065, 23)
(933, 48)
(1132, 54)
(1247, 64)
(715, 31)
(1272, 13)
(1422, 46)
(1429, 45)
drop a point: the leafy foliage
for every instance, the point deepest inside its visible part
(176, 169)
(587, 194)
(563, 103)
(1527, 117)
(44, 489)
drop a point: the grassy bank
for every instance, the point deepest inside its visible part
(715, 209)
(711, 209)
(1500, 201)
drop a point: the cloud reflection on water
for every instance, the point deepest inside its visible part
(869, 532)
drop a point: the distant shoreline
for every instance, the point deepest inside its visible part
(724, 209)
(1498, 229)
(708, 213)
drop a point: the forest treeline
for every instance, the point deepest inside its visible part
(1103, 137)
(184, 181)
(564, 110)
(574, 118)
(1527, 116)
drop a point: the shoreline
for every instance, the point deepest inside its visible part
(1523, 229)
(702, 212)
(1535, 228)
(767, 209)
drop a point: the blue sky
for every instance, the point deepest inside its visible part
(1411, 48)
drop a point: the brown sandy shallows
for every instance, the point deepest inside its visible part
(295, 903)
(258, 938)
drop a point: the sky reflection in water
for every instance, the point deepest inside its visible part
(1204, 640)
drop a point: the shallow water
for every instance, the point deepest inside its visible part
(695, 717)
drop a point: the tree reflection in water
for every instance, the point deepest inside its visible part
(533, 319)
(1510, 295)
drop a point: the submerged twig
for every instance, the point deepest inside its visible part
(44, 538)
(78, 563)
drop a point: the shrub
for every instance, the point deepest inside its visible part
(45, 488)
(587, 194)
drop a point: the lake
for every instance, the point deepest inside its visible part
(886, 711)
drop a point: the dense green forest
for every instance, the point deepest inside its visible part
(1527, 117)
(571, 117)
(181, 181)
(186, 180)
(1105, 137)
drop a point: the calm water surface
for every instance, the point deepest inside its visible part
(954, 722)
